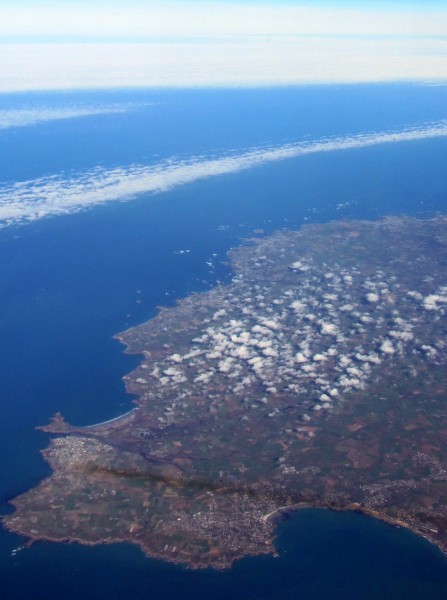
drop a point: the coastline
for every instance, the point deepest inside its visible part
(270, 548)
(353, 441)
(357, 508)
(109, 421)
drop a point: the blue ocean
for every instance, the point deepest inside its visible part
(95, 260)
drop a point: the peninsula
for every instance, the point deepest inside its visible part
(317, 377)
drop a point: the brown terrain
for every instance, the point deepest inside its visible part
(315, 378)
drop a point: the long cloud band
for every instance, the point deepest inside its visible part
(30, 200)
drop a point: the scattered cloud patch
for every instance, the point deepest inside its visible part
(372, 297)
(434, 301)
(387, 347)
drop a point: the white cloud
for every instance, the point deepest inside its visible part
(36, 199)
(226, 365)
(387, 347)
(22, 117)
(177, 358)
(432, 301)
(216, 43)
(171, 372)
(241, 352)
(329, 329)
(300, 358)
(298, 306)
(372, 297)
(254, 61)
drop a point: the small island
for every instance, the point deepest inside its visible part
(317, 377)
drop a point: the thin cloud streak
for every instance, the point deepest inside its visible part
(25, 117)
(31, 200)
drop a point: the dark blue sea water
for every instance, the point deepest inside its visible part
(69, 283)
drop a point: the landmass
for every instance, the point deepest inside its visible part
(315, 378)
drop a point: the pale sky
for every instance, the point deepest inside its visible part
(183, 18)
(62, 44)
